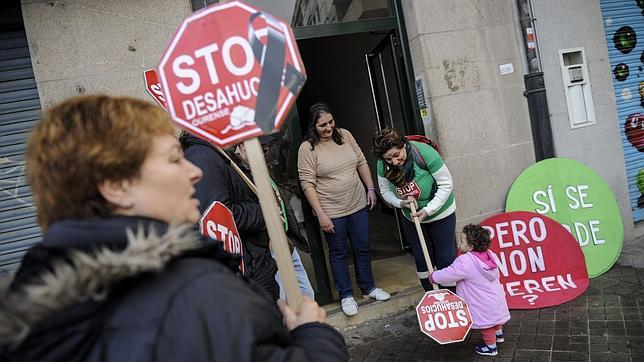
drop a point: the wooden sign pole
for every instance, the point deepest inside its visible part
(239, 171)
(274, 223)
(421, 238)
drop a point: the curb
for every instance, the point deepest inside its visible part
(369, 309)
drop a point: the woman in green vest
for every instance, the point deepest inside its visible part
(410, 171)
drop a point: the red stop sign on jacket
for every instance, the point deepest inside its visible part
(444, 316)
(231, 72)
(217, 223)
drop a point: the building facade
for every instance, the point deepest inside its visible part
(453, 70)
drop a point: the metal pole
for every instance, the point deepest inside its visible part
(535, 87)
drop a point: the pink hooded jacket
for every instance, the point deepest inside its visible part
(478, 283)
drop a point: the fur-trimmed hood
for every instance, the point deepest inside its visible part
(85, 275)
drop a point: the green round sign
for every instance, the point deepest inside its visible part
(575, 196)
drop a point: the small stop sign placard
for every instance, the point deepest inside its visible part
(444, 316)
(153, 86)
(231, 73)
(217, 222)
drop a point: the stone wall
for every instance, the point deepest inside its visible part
(479, 117)
(93, 46)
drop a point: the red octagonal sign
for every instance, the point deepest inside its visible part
(231, 73)
(218, 223)
(444, 316)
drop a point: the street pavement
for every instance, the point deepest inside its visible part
(604, 324)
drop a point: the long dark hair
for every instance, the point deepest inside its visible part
(315, 112)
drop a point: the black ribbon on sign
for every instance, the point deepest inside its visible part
(274, 69)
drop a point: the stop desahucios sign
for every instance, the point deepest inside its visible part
(218, 223)
(231, 73)
(444, 316)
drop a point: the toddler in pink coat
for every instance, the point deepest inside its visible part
(477, 281)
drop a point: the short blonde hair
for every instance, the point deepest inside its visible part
(84, 141)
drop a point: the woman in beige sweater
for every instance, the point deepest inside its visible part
(334, 173)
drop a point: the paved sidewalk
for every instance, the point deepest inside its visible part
(604, 324)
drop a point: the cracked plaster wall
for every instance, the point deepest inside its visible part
(479, 117)
(90, 46)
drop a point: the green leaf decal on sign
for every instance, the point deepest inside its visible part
(579, 199)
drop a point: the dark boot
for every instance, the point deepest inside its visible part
(452, 289)
(427, 285)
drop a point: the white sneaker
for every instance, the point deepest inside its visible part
(349, 306)
(379, 294)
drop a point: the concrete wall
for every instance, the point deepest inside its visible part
(98, 46)
(571, 24)
(480, 117)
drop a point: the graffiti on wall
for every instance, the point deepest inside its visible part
(624, 29)
(12, 177)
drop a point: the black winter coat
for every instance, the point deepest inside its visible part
(221, 183)
(92, 292)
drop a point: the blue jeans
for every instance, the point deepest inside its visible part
(300, 273)
(440, 240)
(356, 225)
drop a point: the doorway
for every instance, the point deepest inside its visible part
(338, 75)
(359, 76)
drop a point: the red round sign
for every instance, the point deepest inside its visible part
(231, 73)
(218, 223)
(444, 316)
(541, 263)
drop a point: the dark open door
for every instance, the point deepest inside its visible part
(390, 100)
(387, 80)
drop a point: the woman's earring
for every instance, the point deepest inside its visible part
(128, 204)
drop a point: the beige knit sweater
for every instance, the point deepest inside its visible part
(331, 169)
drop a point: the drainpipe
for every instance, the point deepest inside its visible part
(535, 87)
